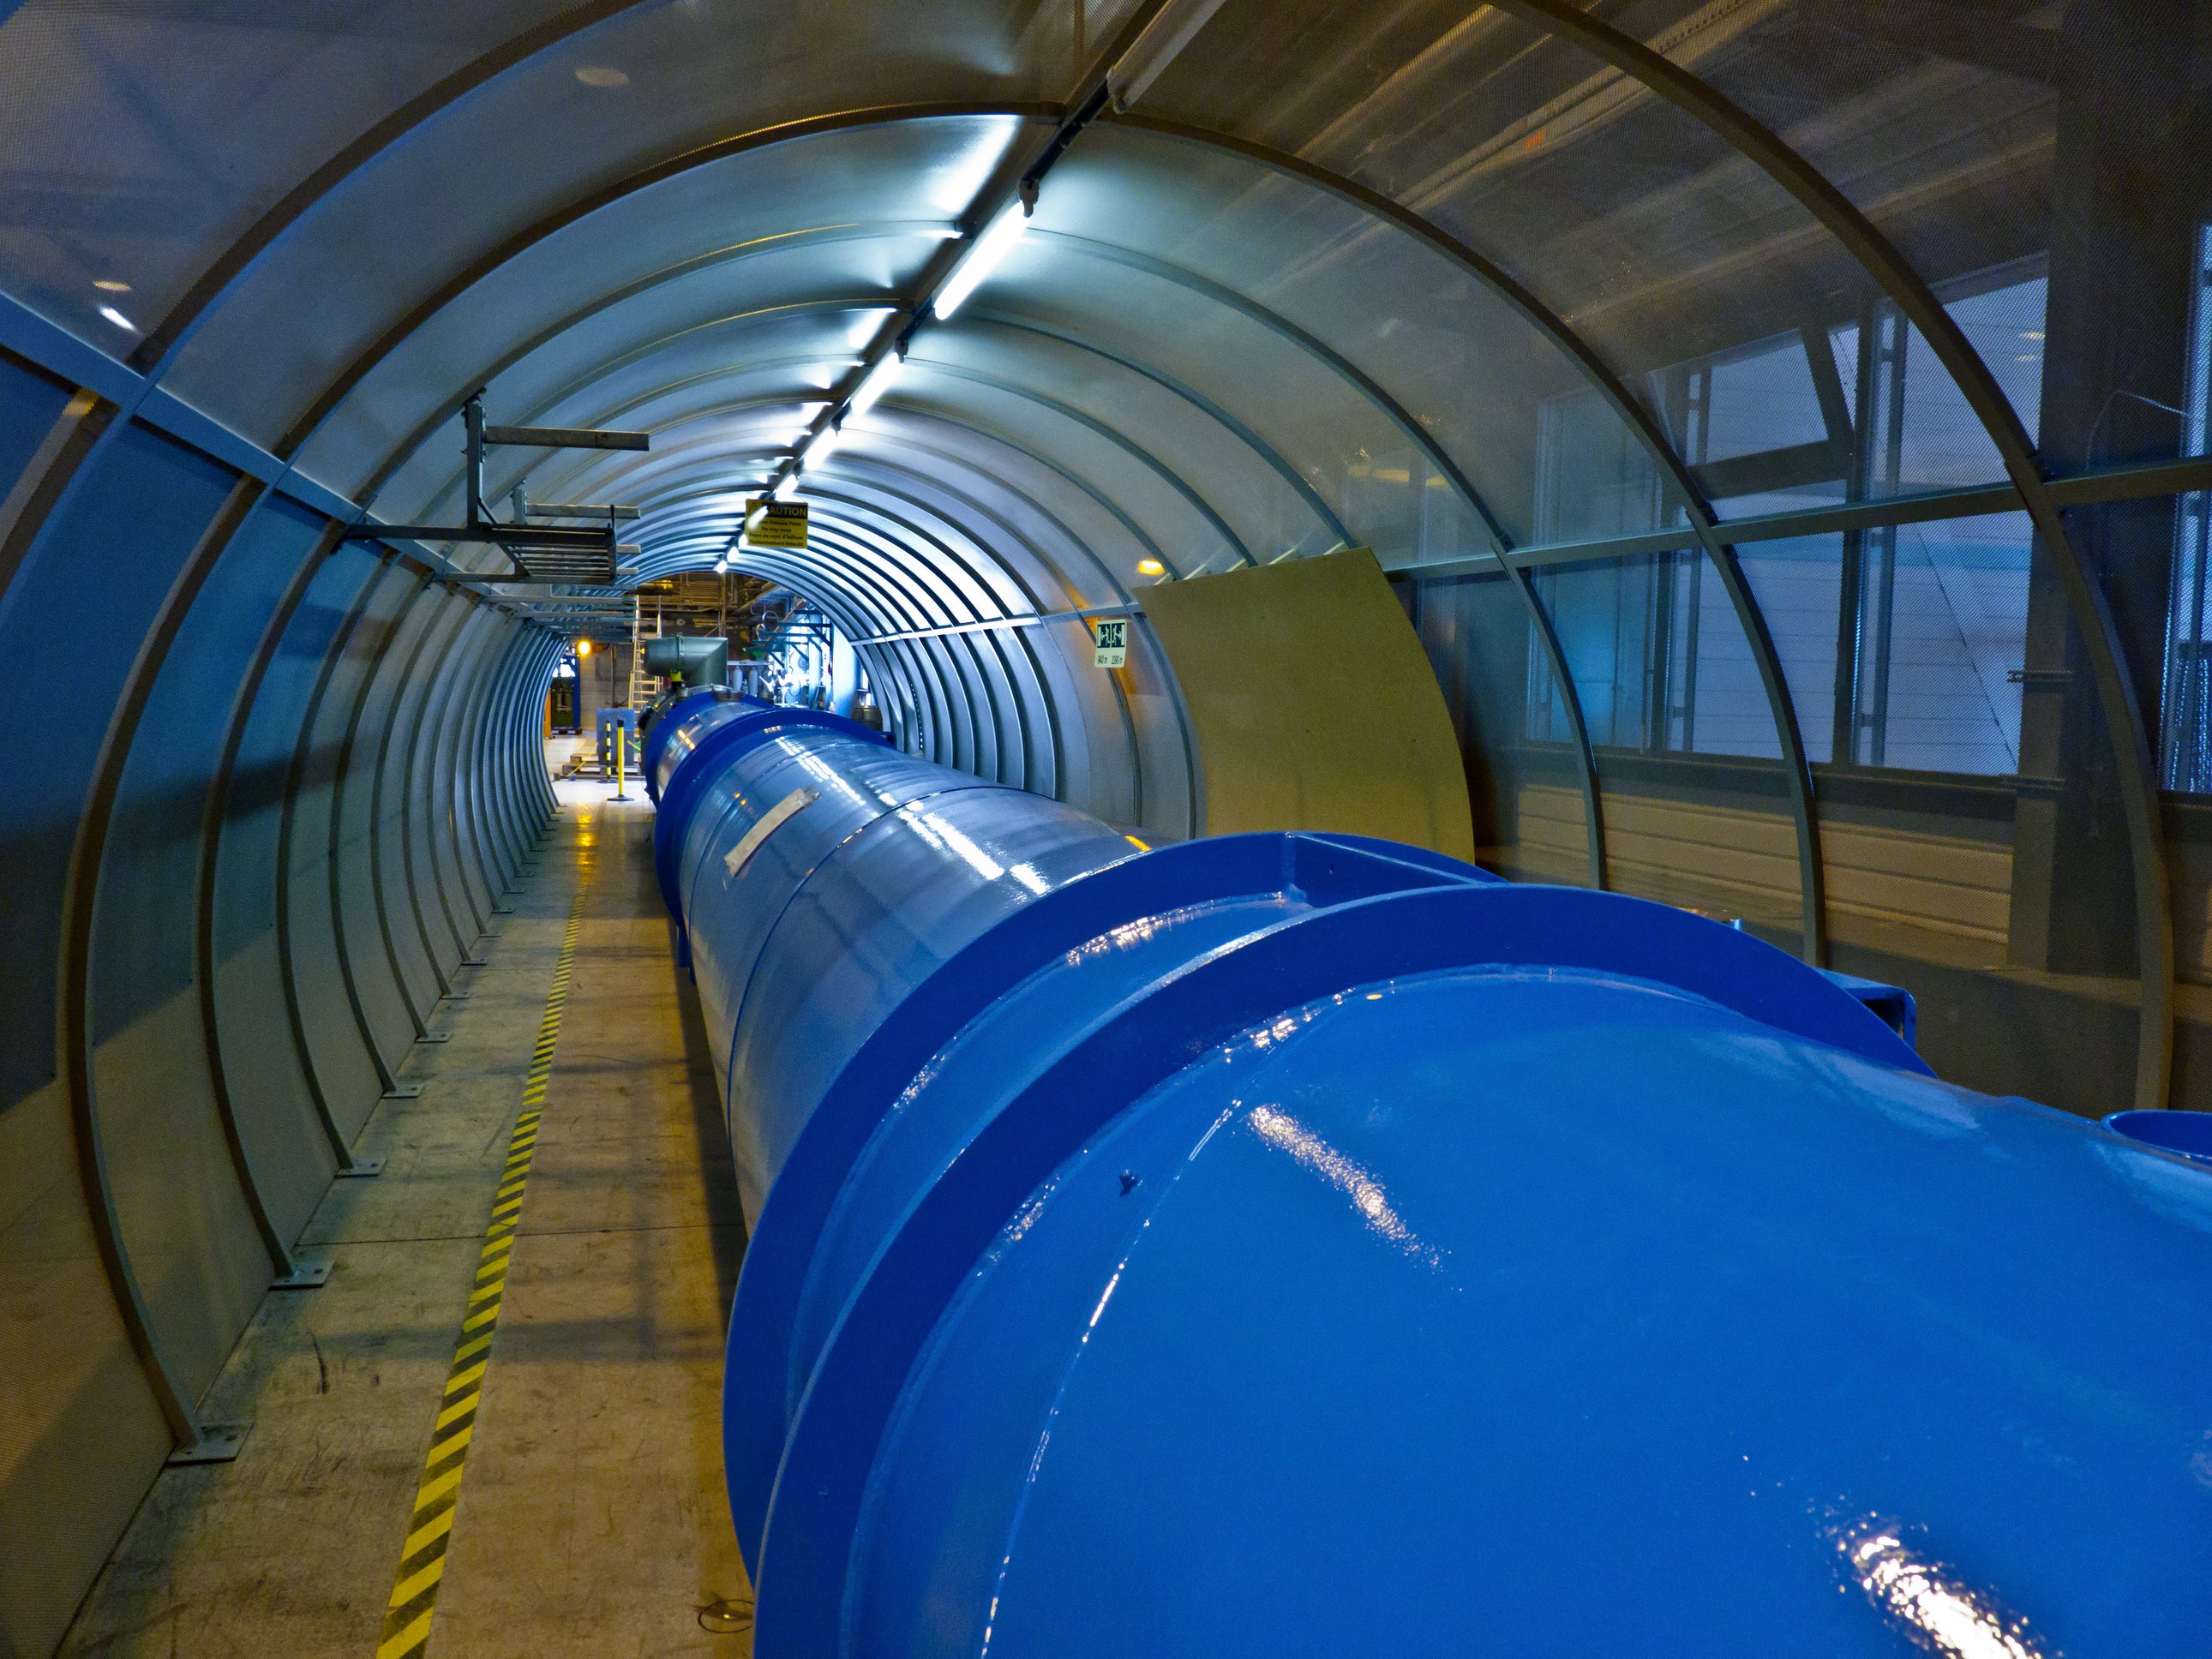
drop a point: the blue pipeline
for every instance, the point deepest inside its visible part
(685, 713)
(1303, 1244)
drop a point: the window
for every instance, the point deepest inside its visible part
(2185, 744)
(1901, 644)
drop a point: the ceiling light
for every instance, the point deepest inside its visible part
(1151, 567)
(787, 487)
(877, 382)
(583, 647)
(1167, 33)
(109, 285)
(984, 254)
(721, 567)
(823, 446)
(118, 318)
(602, 75)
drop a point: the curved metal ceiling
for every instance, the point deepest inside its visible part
(1323, 287)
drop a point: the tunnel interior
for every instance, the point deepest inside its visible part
(1781, 423)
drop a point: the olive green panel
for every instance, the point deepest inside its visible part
(1312, 704)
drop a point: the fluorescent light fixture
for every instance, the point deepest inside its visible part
(1151, 567)
(721, 566)
(787, 488)
(984, 255)
(825, 445)
(118, 318)
(1167, 33)
(880, 379)
(109, 285)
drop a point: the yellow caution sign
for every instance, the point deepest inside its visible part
(775, 524)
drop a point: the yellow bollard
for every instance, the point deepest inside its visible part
(621, 732)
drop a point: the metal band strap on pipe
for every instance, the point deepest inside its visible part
(1299, 1243)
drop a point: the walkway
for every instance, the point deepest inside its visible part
(590, 1517)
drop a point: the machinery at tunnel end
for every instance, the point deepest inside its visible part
(1303, 1244)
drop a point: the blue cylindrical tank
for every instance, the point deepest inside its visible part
(1300, 1245)
(679, 711)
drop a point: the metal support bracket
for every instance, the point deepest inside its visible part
(435, 1036)
(305, 1275)
(361, 1168)
(219, 1443)
(404, 1091)
(563, 552)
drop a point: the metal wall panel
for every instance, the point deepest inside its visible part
(403, 923)
(31, 401)
(339, 1036)
(477, 795)
(506, 807)
(467, 798)
(266, 1054)
(283, 1138)
(132, 518)
(70, 1378)
(433, 848)
(173, 1141)
(199, 713)
(389, 1004)
(492, 831)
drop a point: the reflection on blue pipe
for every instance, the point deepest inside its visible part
(688, 713)
(1301, 1244)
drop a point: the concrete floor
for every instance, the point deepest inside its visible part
(592, 1518)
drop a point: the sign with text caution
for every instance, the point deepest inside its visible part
(775, 524)
(1110, 636)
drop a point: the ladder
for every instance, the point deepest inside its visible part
(643, 687)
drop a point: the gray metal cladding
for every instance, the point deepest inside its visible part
(31, 401)
(431, 800)
(335, 983)
(263, 1056)
(175, 494)
(372, 903)
(465, 795)
(337, 1045)
(399, 900)
(180, 1147)
(253, 724)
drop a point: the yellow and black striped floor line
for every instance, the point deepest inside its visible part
(422, 1557)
